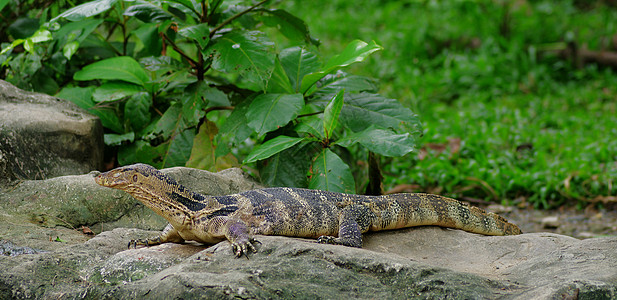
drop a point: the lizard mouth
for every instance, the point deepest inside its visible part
(108, 181)
(100, 180)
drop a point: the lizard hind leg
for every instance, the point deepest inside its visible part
(169, 234)
(353, 221)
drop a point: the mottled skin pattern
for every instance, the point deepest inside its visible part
(333, 218)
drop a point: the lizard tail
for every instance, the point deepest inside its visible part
(427, 209)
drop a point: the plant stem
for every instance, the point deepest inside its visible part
(213, 108)
(213, 32)
(203, 18)
(191, 61)
(311, 114)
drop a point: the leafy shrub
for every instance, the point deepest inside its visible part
(196, 83)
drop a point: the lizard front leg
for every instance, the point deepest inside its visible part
(169, 234)
(236, 232)
(240, 238)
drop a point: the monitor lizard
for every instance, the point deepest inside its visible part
(332, 218)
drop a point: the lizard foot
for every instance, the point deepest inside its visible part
(345, 241)
(144, 242)
(243, 246)
(326, 239)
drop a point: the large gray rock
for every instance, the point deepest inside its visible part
(43, 136)
(35, 211)
(424, 262)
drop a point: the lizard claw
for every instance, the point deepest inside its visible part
(135, 243)
(144, 242)
(242, 247)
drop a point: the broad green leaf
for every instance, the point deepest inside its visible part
(172, 81)
(109, 119)
(181, 14)
(178, 134)
(147, 13)
(83, 98)
(179, 150)
(23, 27)
(43, 82)
(29, 46)
(148, 131)
(331, 114)
(203, 152)
(297, 63)
(199, 33)
(112, 139)
(279, 82)
(171, 122)
(94, 47)
(114, 90)
(194, 102)
(362, 110)
(148, 35)
(39, 36)
(142, 152)
(333, 83)
(381, 141)
(312, 126)
(235, 127)
(356, 51)
(137, 111)
(75, 31)
(42, 35)
(216, 97)
(122, 68)
(290, 26)
(331, 173)
(69, 49)
(176, 149)
(245, 53)
(162, 64)
(288, 167)
(57, 63)
(10, 47)
(85, 10)
(3, 3)
(268, 112)
(185, 3)
(222, 147)
(271, 147)
(78, 95)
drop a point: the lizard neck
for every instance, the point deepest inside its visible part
(169, 199)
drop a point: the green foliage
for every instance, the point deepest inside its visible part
(201, 83)
(505, 119)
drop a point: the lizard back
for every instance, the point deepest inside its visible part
(312, 213)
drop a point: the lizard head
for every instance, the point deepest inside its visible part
(123, 177)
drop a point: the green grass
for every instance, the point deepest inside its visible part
(533, 129)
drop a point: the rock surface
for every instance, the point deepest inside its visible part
(43, 137)
(423, 262)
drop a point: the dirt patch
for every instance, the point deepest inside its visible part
(582, 224)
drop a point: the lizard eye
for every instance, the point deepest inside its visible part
(134, 178)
